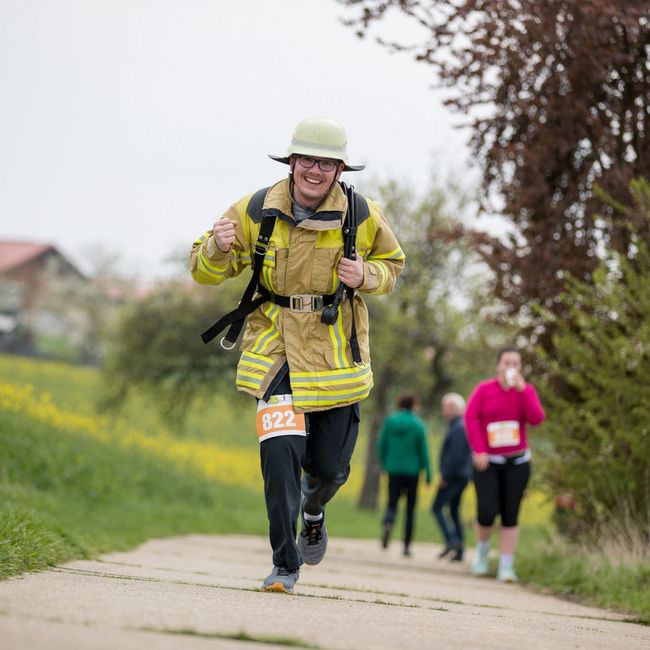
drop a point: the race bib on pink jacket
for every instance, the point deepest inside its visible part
(503, 434)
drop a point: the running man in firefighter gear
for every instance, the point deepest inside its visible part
(306, 374)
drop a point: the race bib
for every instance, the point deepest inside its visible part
(503, 434)
(277, 418)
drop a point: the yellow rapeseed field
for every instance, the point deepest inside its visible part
(226, 465)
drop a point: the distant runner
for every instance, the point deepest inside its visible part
(496, 417)
(404, 453)
(455, 472)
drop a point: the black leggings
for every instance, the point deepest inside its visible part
(399, 484)
(499, 490)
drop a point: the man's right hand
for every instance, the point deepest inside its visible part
(481, 461)
(224, 233)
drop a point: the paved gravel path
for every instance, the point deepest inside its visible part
(202, 592)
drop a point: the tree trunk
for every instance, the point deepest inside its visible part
(442, 379)
(370, 489)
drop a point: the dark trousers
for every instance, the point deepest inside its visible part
(324, 455)
(399, 484)
(499, 490)
(450, 496)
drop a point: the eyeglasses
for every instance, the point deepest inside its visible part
(324, 164)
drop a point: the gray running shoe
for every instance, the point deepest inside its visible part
(312, 540)
(281, 580)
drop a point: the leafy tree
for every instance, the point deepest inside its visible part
(557, 95)
(596, 390)
(155, 346)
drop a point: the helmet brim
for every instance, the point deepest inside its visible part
(347, 168)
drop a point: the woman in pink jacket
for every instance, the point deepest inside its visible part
(497, 414)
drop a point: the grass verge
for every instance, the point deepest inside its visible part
(66, 495)
(577, 573)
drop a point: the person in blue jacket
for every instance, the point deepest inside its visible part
(403, 452)
(455, 472)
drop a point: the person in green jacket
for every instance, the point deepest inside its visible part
(403, 452)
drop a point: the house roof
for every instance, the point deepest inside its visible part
(14, 254)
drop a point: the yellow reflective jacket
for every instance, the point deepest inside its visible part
(301, 259)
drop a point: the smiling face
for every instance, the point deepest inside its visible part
(311, 185)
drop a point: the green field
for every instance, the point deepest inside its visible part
(74, 484)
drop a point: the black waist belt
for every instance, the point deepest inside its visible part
(299, 302)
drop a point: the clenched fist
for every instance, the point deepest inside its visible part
(224, 233)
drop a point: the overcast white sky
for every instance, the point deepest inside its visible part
(133, 124)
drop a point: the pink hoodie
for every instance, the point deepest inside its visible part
(496, 418)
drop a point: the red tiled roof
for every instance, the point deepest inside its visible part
(14, 254)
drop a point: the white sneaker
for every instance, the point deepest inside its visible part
(480, 561)
(507, 575)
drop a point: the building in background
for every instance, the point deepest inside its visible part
(35, 315)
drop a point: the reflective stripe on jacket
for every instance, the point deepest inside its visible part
(301, 259)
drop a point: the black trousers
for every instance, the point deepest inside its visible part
(324, 459)
(397, 485)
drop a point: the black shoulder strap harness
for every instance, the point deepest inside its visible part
(249, 302)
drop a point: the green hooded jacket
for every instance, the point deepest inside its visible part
(402, 445)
